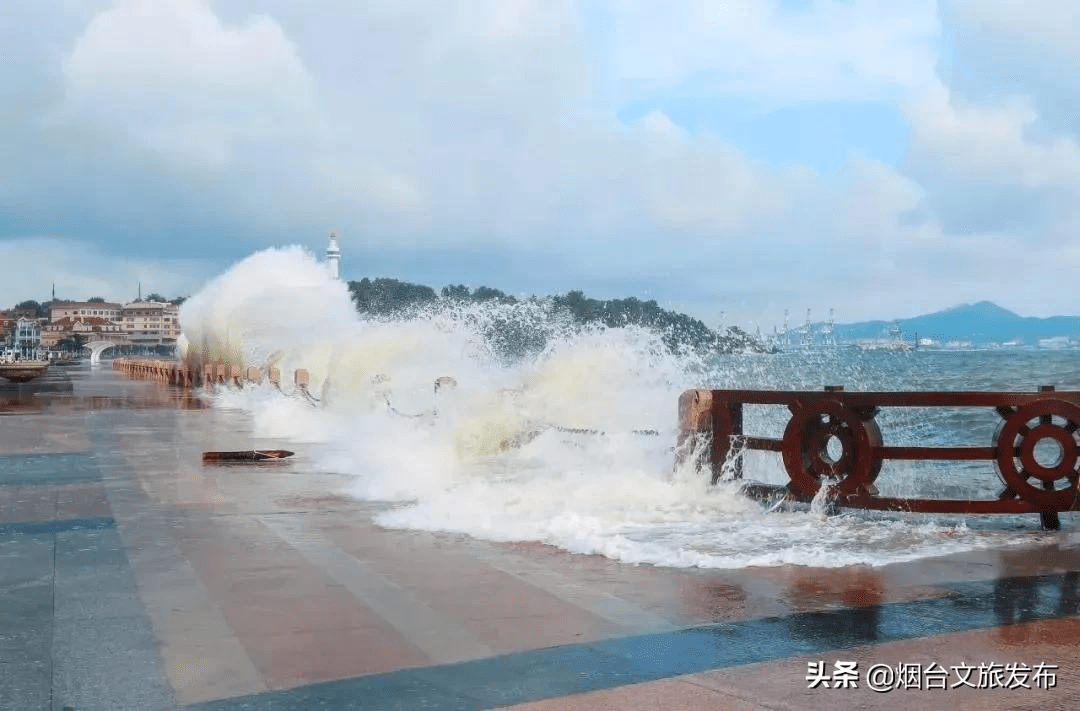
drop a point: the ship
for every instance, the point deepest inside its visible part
(895, 341)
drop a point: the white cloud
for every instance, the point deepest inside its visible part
(81, 270)
(699, 187)
(987, 168)
(472, 120)
(175, 79)
(868, 200)
(1004, 49)
(1049, 26)
(490, 125)
(991, 142)
(829, 51)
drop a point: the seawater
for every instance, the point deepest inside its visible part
(549, 448)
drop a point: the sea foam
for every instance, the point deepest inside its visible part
(542, 447)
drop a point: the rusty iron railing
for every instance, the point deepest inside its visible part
(844, 422)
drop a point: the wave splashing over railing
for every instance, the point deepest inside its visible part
(550, 432)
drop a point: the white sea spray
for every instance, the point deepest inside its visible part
(568, 443)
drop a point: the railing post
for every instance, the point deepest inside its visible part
(1049, 519)
(695, 426)
(727, 424)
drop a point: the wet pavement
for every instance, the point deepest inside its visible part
(134, 577)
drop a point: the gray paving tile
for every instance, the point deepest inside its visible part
(26, 645)
(25, 685)
(88, 550)
(26, 607)
(103, 667)
(93, 579)
(48, 468)
(25, 558)
(104, 650)
(52, 527)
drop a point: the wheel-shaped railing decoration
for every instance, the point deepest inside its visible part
(806, 444)
(1047, 478)
(833, 435)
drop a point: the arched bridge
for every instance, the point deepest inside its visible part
(96, 348)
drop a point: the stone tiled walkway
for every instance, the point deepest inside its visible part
(133, 577)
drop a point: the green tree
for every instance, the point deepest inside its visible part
(678, 331)
(73, 343)
(385, 297)
(510, 337)
(32, 308)
(483, 293)
(456, 291)
(95, 300)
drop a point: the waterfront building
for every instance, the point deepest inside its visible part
(83, 309)
(25, 338)
(151, 323)
(87, 328)
(7, 325)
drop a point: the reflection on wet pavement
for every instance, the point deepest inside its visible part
(133, 576)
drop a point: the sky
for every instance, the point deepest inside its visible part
(728, 158)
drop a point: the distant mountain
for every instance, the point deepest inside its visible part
(981, 323)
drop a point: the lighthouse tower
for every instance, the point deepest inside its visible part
(333, 255)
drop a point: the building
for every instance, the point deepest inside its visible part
(86, 329)
(83, 309)
(26, 337)
(151, 323)
(7, 326)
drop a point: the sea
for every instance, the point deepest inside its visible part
(573, 445)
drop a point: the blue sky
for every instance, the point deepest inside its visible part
(820, 135)
(884, 158)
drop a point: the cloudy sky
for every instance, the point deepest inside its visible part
(881, 157)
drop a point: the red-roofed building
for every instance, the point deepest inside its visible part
(88, 328)
(7, 325)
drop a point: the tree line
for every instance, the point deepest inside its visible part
(43, 309)
(384, 297)
(391, 297)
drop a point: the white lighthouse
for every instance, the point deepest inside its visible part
(333, 255)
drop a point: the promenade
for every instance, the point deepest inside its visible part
(134, 577)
